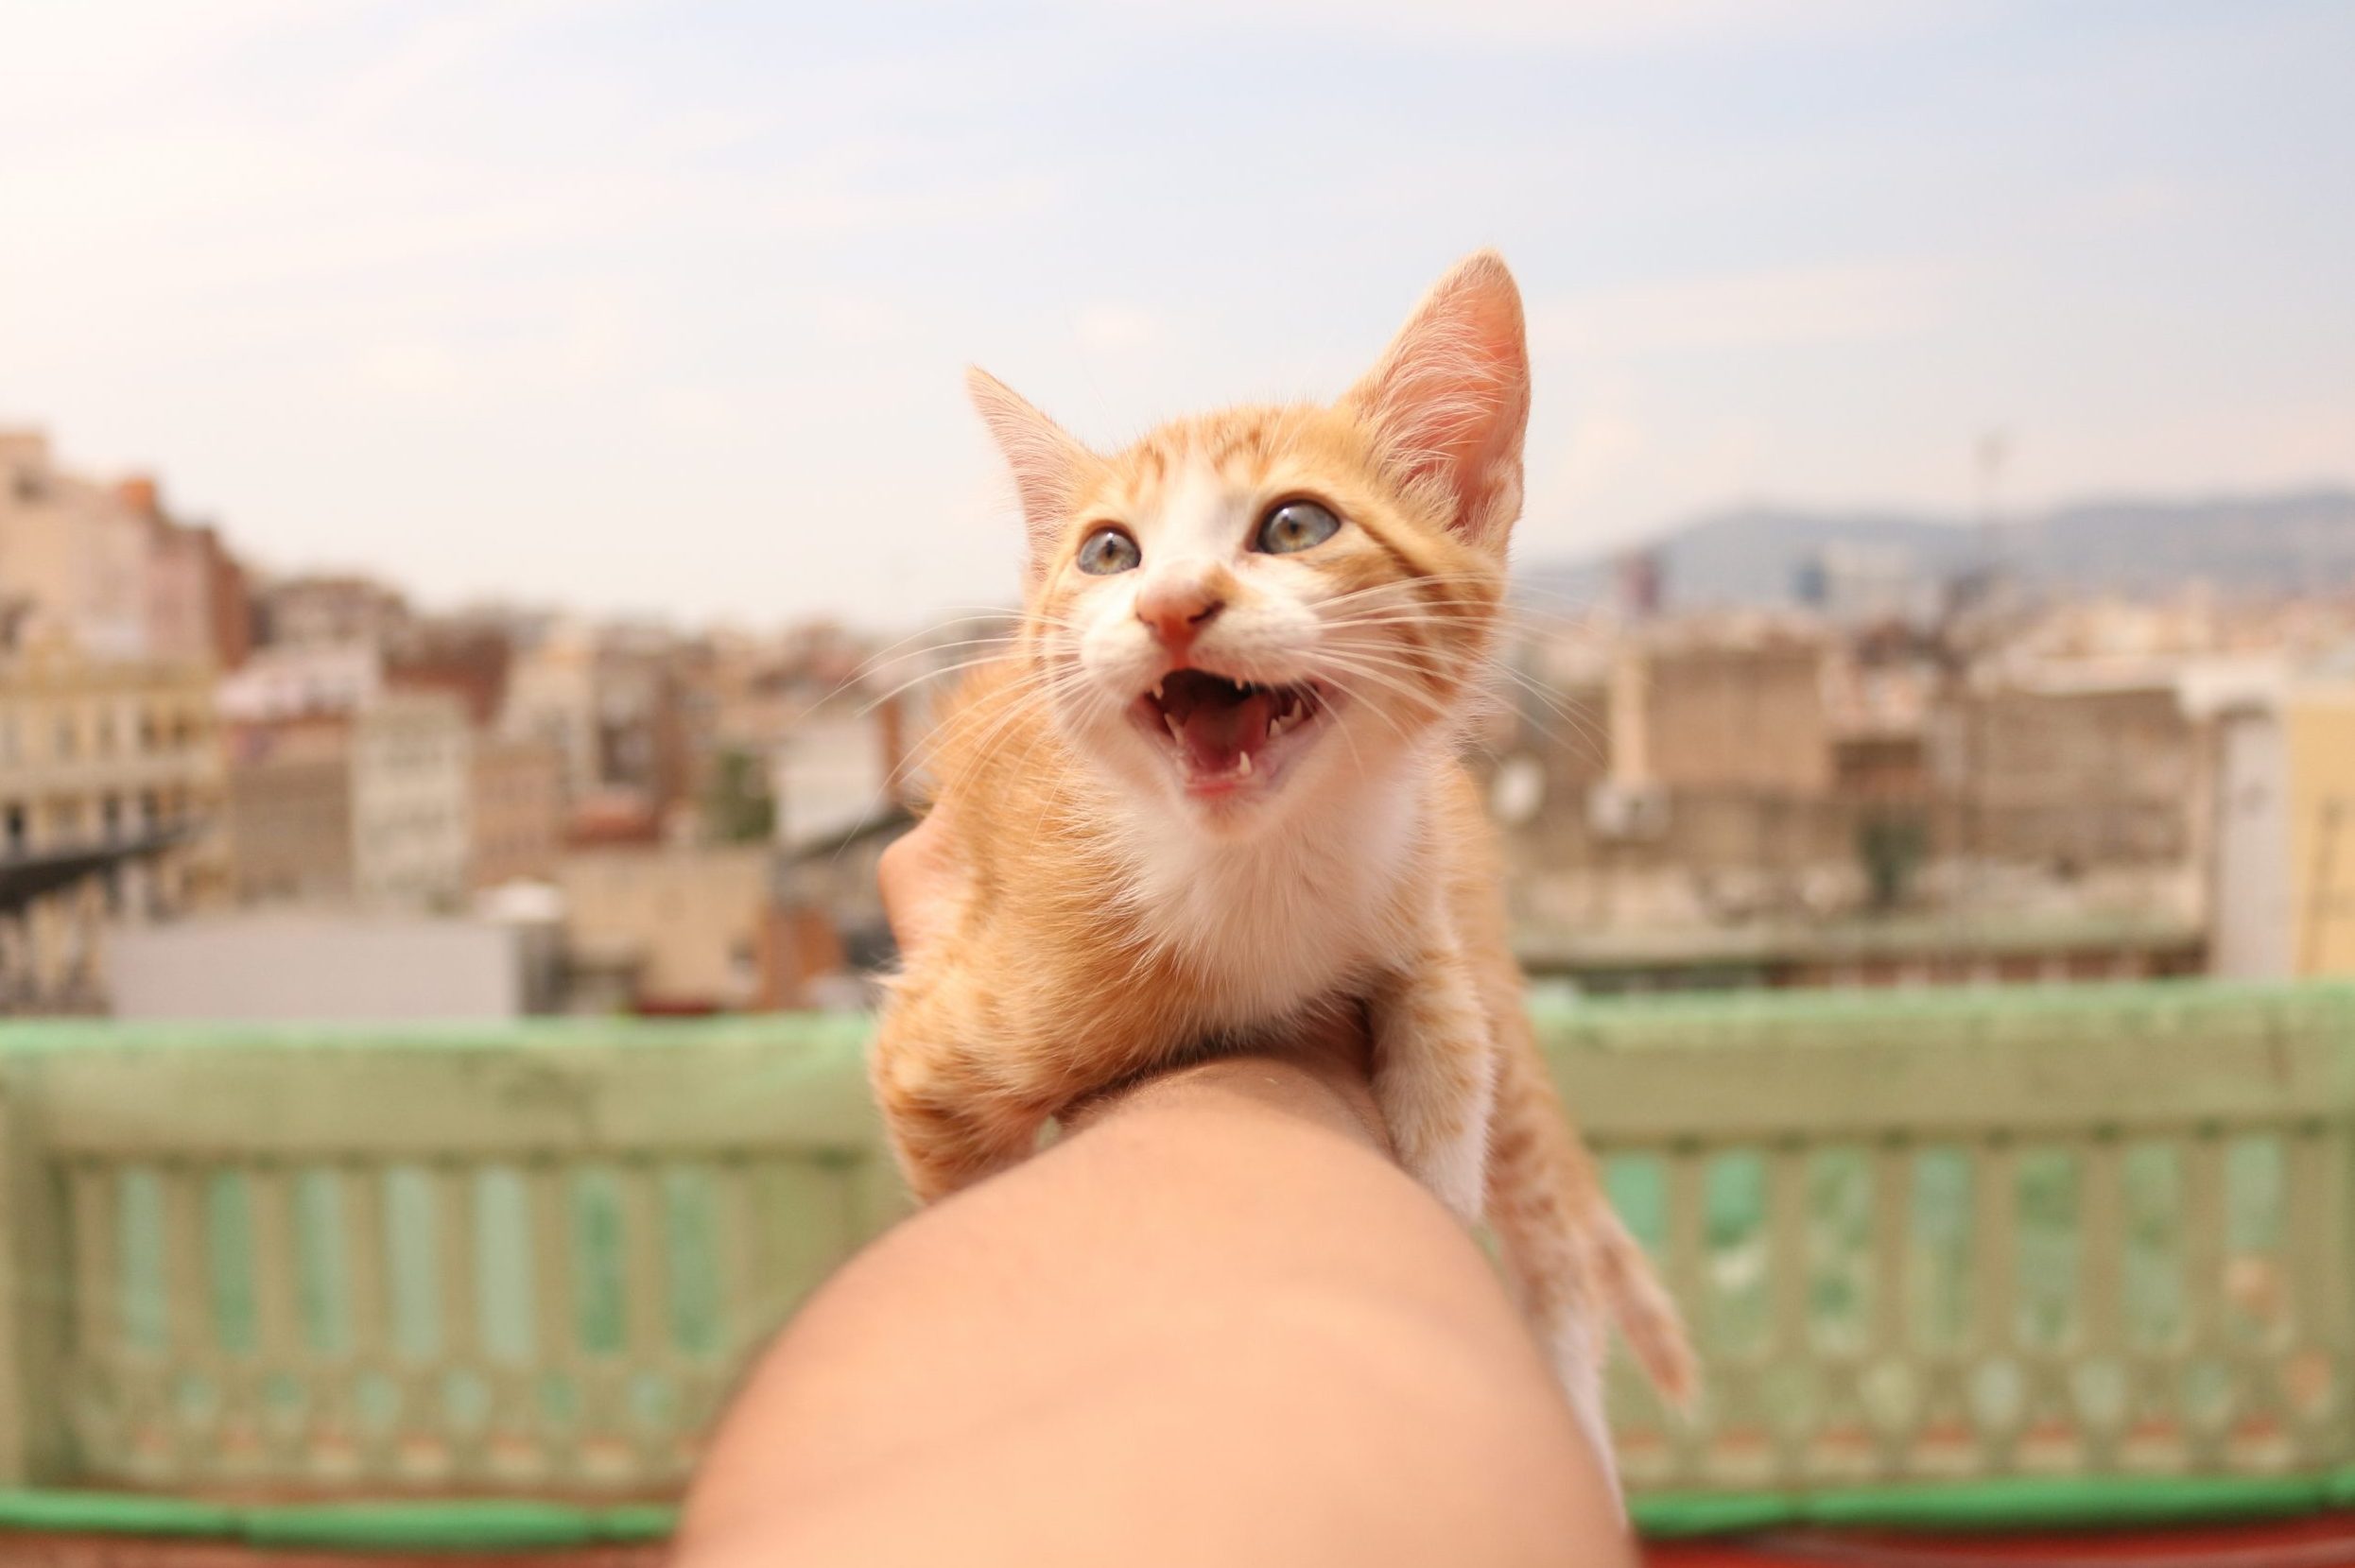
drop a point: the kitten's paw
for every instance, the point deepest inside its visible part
(1451, 1162)
(1575, 1347)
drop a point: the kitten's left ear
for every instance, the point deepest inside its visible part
(1448, 401)
(1050, 467)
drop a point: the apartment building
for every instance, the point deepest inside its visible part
(516, 811)
(111, 788)
(371, 807)
(105, 568)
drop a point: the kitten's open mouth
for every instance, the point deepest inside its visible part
(1226, 734)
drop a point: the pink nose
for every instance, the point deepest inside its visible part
(1175, 612)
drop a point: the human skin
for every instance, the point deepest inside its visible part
(1214, 1323)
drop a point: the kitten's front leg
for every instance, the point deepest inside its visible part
(950, 1119)
(1435, 1073)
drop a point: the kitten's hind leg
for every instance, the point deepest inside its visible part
(1572, 1264)
(1435, 1076)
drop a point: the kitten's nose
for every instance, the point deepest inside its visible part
(1176, 611)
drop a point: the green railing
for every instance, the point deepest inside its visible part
(2012, 1239)
(2052, 1232)
(524, 1261)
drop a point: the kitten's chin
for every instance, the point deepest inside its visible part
(1234, 816)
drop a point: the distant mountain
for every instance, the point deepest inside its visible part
(1756, 554)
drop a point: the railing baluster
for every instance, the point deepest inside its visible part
(2099, 1347)
(1995, 1390)
(98, 1390)
(1893, 1377)
(697, 1205)
(370, 1375)
(2323, 1302)
(504, 1308)
(1794, 1414)
(556, 1347)
(194, 1397)
(2203, 1368)
(651, 1393)
(463, 1393)
(738, 1238)
(283, 1398)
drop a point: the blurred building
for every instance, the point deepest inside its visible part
(290, 827)
(848, 750)
(295, 681)
(1857, 583)
(310, 966)
(467, 656)
(1746, 799)
(551, 698)
(198, 606)
(610, 701)
(111, 782)
(327, 609)
(2282, 856)
(1876, 706)
(370, 807)
(2073, 772)
(834, 769)
(826, 937)
(667, 928)
(1706, 711)
(516, 814)
(2319, 724)
(412, 787)
(105, 568)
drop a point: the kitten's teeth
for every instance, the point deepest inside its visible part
(1157, 690)
(1276, 726)
(1242, 767)
(1173, 725)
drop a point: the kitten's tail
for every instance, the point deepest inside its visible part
(1573, 1264)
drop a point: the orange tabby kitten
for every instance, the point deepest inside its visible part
(1215, 786)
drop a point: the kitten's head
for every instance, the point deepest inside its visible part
(1262, 606)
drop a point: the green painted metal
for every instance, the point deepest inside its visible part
(2020, 1255)
(115, 1513)
(510, 1524)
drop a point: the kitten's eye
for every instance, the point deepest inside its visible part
(1107, 551)
(1297, 525)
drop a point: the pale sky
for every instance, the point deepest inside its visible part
(662, 306)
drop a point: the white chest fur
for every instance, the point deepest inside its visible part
(1287, 916)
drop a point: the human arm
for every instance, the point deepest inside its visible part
(1214, 1323)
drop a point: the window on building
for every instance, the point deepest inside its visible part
(13, 818)
(68, 737)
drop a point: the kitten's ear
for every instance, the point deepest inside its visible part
(1448, 402)
(1048, 466)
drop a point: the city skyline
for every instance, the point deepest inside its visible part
(485, 302)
